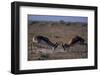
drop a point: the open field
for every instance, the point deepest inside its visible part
(56, 32)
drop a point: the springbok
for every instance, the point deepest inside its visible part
(44, 40)
(74, 40)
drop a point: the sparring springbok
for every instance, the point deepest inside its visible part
(74, 40)
(44, 40)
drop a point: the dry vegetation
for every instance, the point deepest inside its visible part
(56, 32)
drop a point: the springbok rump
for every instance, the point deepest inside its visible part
(73, 41)
(44, 40)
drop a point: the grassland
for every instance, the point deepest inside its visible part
(57, 32)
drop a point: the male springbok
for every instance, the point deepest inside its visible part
(73, 41)
(44, 40)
